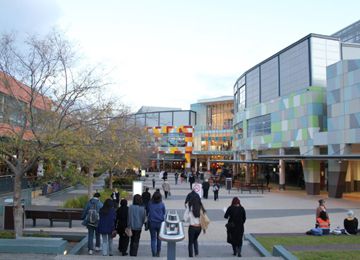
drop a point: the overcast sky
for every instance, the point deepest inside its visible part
(174, 52)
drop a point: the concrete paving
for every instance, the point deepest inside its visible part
(289, 211)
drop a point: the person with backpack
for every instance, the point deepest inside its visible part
(216, 188)
(106, 226)
(90, 217)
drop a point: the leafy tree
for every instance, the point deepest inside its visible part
(46, 94)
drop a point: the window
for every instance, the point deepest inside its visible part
(259, 126)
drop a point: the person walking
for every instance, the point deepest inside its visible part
(146, 196)
(176, 175)
(235, 226)
(205, 187)
(90, 217)
(136, 219)
(192, 215)
(121, 224)
(156, 215)
(115, 196)
(106, 226)
(166, 188)
(153, 181)
(267, 177)
(216, 188)
(191, 180)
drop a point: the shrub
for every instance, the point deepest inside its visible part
(78, 202)
(7, 234)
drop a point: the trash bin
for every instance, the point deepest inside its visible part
(9, 214)
(171, 231)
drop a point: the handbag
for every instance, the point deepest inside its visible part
(113, 233)
(204, 221)
(128, 232)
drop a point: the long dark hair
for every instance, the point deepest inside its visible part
(195, 205)
(156, 198)
(108, 204)
(137, 200)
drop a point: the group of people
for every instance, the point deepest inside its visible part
(322, 225)
(115, 217)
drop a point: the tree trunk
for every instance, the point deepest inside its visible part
(110, 179)
(18, 209)
(91, 180)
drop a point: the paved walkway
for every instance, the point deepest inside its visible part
(288, 211)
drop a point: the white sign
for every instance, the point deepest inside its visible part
(197, 187)
(143, 173)
(137, 187)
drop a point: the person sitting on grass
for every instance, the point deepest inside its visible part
(323, 222)
(350, 224)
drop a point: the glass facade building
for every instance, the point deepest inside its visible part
(350, 34)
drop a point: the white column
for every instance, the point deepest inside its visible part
(247, 171)
(208, 163)
(281, 170)
(196, 164)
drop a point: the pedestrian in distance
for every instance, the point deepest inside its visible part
(146, 196)
(267, 177)
(153, 181)
(205, 187)
(176, 175)
(191, 180)
(236, 216)
(106, 226)
(156, 215)
(136, 220)
(115, 196)
(190, 195)
(121, 223)
(216, 188)
(166, 188)
(192, 216)
(90, 217)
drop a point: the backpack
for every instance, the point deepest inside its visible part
(92, 216)
(215, 188)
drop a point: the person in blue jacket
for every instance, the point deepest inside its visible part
(136, 220)
(107, 226)
(94, 202)
(156, 215)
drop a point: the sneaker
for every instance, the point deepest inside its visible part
(97, 249)
(90, 252)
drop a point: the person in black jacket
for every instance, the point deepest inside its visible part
(121, 224)
(205, 187)
(235, 226)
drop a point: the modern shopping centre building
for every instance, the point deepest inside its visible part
(300, 108)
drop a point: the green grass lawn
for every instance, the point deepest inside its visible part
(269, 241)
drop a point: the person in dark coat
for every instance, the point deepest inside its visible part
(235, 226)
(146, 196)
(191, 180)
(107, 226)
(115, 196)
(205, 187)
(216, 188)
(121, 223)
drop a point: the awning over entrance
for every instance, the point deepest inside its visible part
(169, 160)
(311, 157)
(245, 161)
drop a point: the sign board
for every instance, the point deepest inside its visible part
(143, 173)
(197, 187)
(137, 187)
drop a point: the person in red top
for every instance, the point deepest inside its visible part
(323, 222)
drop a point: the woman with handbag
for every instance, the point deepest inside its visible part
(235, 226)
(156, 215)
(136, 220)
(121, 224)
(192, 215)
(106, 226)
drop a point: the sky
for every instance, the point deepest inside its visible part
(172, 53)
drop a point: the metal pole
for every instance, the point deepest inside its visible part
(171, 250)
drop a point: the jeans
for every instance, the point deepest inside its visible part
(193, 234)
(134, 242)
(107, 243)
(155, 240)
(91, 231)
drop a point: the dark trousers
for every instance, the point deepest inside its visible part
(206, 193)
(134, 242)
(123, 242)
(237, 246)
(193, 234)
(166, 194)
(216, 195)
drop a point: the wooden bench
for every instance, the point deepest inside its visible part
(59, 215)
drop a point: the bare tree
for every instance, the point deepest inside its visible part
(45, 91)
